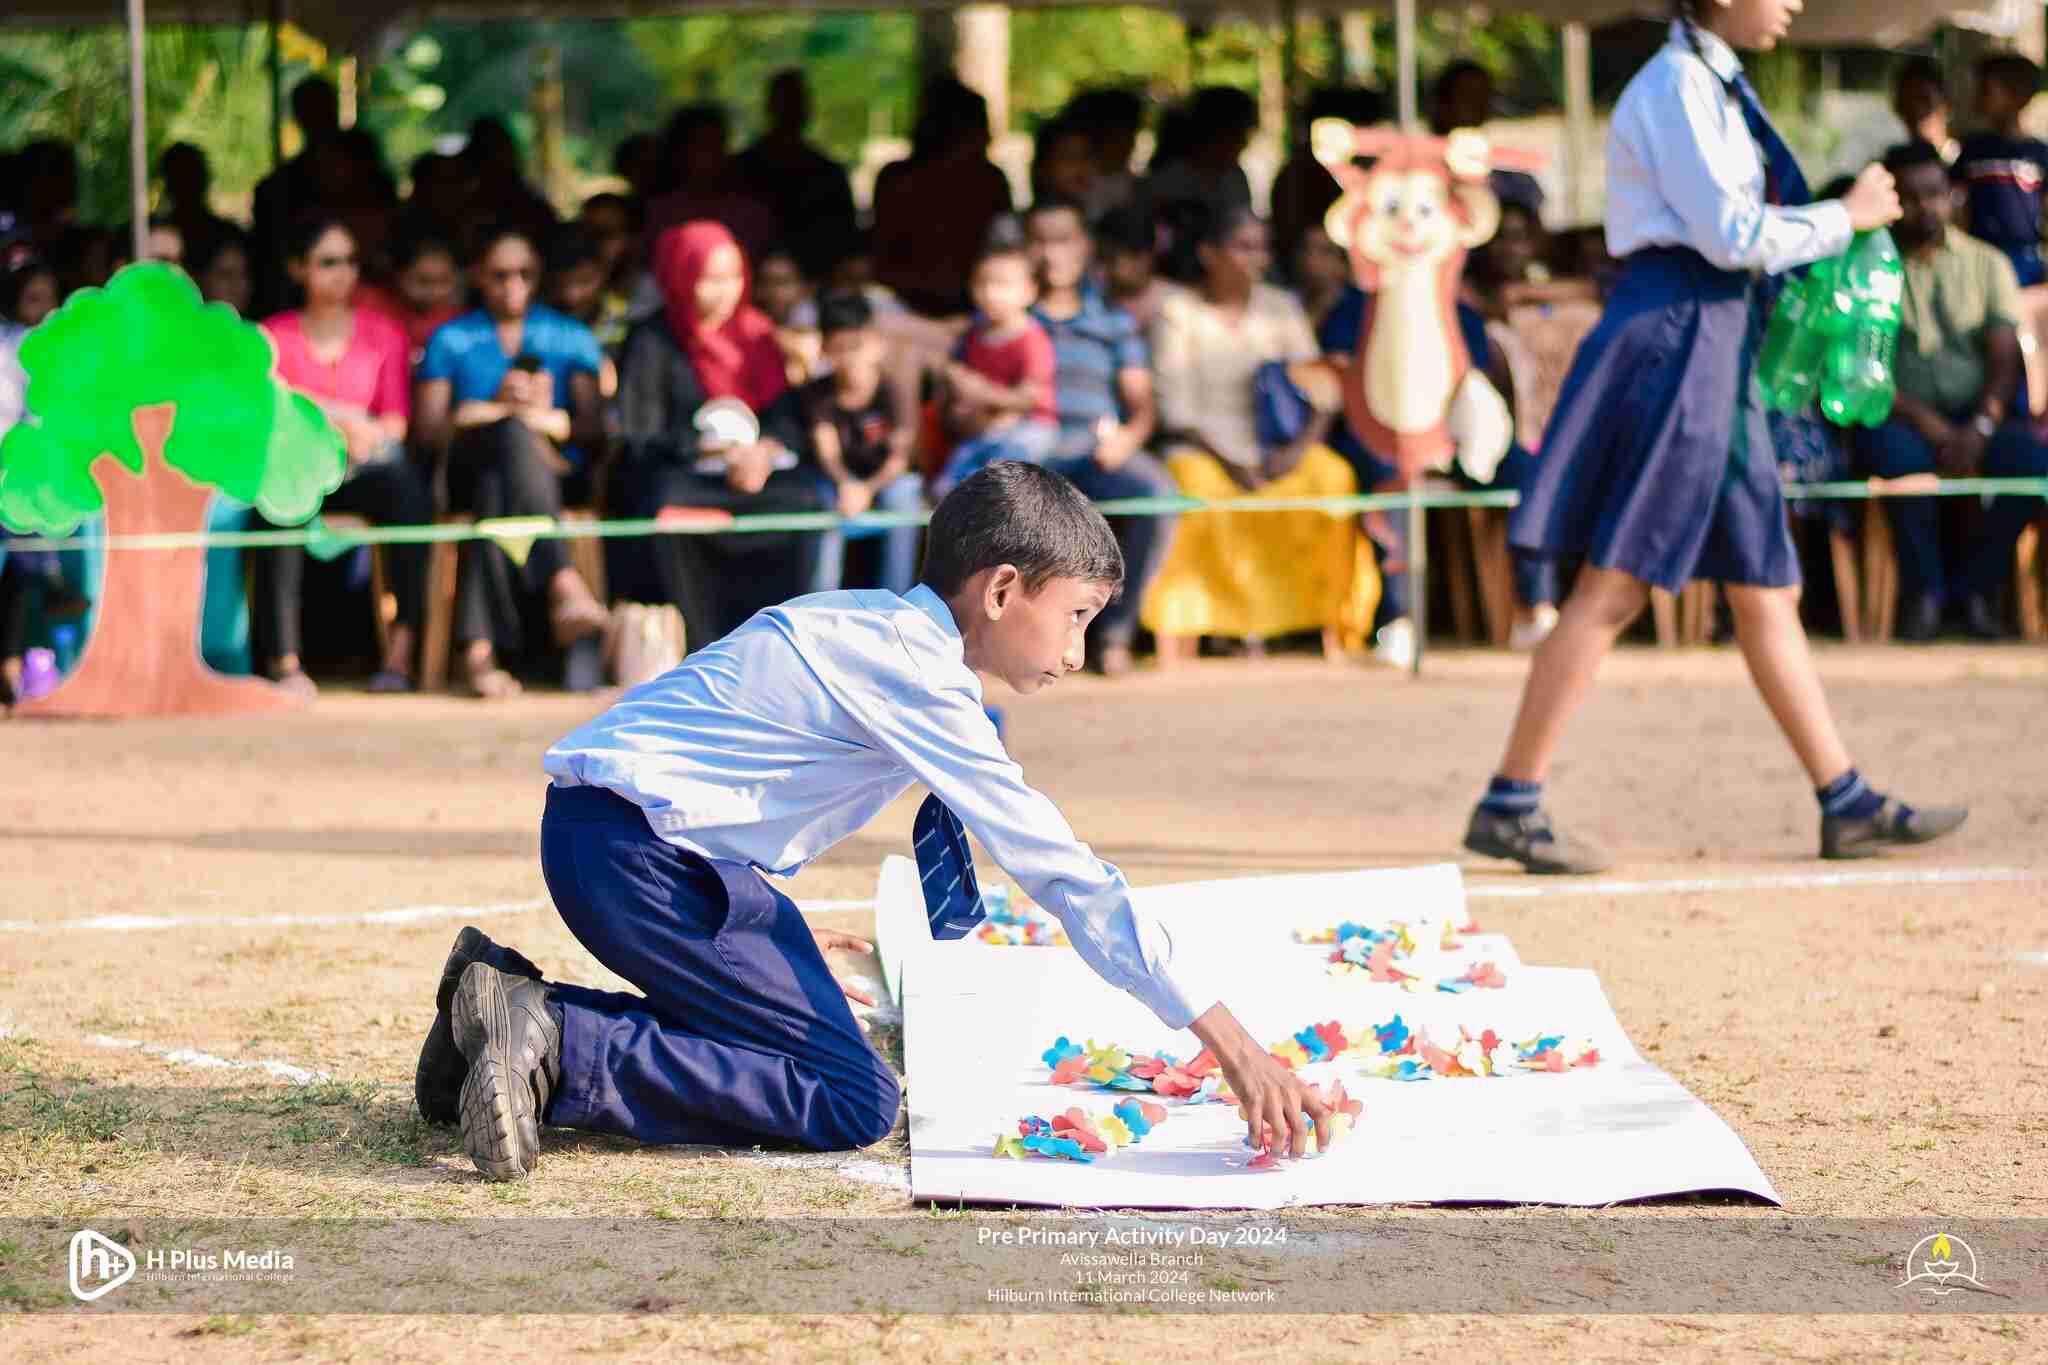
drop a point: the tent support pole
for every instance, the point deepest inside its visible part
(1404, 64)
(1290, 72)
(138, 134)
(1578, 118)
(276, 86)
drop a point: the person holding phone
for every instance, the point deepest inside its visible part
(507, 395)
(352, 362)
(694, 382)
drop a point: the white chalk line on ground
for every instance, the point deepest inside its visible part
(1538, 890)
(1774, 881)
(854, 1167)
(406, 914)
(185, 1056)
(206, 1061)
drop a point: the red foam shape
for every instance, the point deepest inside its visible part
(1486, 975)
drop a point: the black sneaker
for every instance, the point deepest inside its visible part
(1890, 825)
(1528, 838)
(504, 1027)
(437, 1079)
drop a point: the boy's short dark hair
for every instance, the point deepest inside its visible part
(844, 313)
(1907, 156)
(1021, 514)
(2013, 71)
(570, 247)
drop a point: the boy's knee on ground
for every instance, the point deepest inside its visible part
(865, 1109)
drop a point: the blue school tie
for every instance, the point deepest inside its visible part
(952, 898)
(1784, 183)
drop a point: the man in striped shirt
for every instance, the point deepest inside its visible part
(2003, 170)
(1102, 394)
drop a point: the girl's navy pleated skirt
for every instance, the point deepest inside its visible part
(1657, 461)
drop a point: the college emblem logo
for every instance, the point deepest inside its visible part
(1941, 1264)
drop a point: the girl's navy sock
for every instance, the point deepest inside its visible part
(1506, 796)
(1849, 796)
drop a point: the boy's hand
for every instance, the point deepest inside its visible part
(831, 940)
(1274, 1098)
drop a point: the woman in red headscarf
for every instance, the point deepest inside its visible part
(709, 342)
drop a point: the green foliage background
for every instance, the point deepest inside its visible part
(211, 86)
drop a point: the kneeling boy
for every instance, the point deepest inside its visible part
(758, 754)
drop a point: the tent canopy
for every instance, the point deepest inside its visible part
(354, 23)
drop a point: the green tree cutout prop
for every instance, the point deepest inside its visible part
(140, 399)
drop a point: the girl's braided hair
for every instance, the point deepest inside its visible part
(1687, 13)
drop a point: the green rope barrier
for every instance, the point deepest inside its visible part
(319, 538)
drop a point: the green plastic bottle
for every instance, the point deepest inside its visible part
(1795, 347)
(1856, 385)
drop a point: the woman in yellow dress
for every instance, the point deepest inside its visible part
(1248, 575)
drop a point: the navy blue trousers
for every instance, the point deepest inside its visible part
(739, 1036)
(2012, 453)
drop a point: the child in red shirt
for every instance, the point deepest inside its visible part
(999, 388)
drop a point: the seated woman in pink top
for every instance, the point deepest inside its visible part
(353, 362)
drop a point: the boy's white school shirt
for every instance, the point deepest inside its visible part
(1684, 170)
(771, 745)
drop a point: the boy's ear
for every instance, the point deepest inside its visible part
(1005, 585)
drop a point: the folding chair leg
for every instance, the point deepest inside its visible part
(1880, 573)
(1848, 584)
(1452, 552)
(1696, 613)
(439, 626)
(2026, 577)
(383, 605)
(1488, 529)
(1664, 611)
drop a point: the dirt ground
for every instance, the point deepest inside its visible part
(1878, 1047)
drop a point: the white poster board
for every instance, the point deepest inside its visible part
(978, 1017)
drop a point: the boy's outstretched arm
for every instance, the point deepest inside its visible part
(1274, 1098)
(947, 740)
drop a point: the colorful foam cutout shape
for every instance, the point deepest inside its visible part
(1020, 927)
(141, 400)
(1111, 1067)
(1077, 1135)
(1364, 951)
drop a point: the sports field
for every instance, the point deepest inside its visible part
(281, 891)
